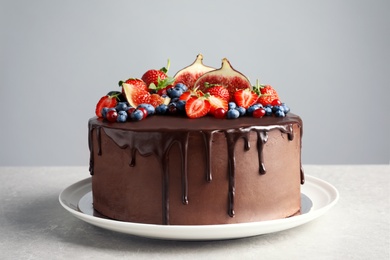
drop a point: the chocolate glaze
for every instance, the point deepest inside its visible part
(157, 134)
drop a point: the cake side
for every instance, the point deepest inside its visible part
(231, 172)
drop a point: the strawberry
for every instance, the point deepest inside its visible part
(245, 98)
(154, 76)
(108, 101)
(191, 93)
(136, 96)
(186, 95)
(197, 107)
(157, 80)
(217, 102)
(219, 90)
(267, 94)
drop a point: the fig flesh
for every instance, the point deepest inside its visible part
(226, 76)
(191, 73)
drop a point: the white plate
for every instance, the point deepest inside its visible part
(317, 197)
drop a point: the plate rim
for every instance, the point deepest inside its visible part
(202, 232)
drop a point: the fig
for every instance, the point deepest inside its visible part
(226, 76)
(191, 73)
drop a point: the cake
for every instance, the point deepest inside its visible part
(156, 156)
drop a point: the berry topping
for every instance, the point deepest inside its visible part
(258, 113)
(138, 114)
(266, 93)
(161, 109)
(107, 101)
(217, 102)
(122, 116)
(157, 80)
(245, 98)
(276, 102)
(149, 108)
(197, 107)
(198, 91)
(233, 114)
(218, 90)
(220, 113)
(111, 115)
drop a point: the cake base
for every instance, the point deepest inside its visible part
(193, 172)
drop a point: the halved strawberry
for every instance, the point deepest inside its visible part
(219, 90)
(186, 95)
(197, 107)
(245, 98)
(217, 102)
(136, 96)
(268, 94)
(108, 101)
(191, 93)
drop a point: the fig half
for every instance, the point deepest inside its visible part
(226, 76)
(191, 73)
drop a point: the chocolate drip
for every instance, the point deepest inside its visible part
(90, 144)
(207, 137)
(159, 143)
(132, 156)
(231, 137)
(184, 174)
(262, 138)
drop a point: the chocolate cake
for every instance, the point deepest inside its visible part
(202, 148)
(179, 171)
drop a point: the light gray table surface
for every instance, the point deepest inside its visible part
(33, 224)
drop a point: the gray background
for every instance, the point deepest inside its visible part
(329, 61)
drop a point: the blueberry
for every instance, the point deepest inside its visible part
(161, 109)
(172, 108)
(174, 100)
(121, 106)
(268, 110)
(181, 105)
(277, 108)
(241, 110)
(286, 108)
(253, 108)
(104, 111)
(175, 92)
(137, 115)
(280, 113)
(232, 105)
(122, 116)
(182, 86)
(148, 108)
(233, 114)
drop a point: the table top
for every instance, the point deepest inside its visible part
(33, 224)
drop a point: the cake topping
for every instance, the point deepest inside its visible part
(209, 92)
